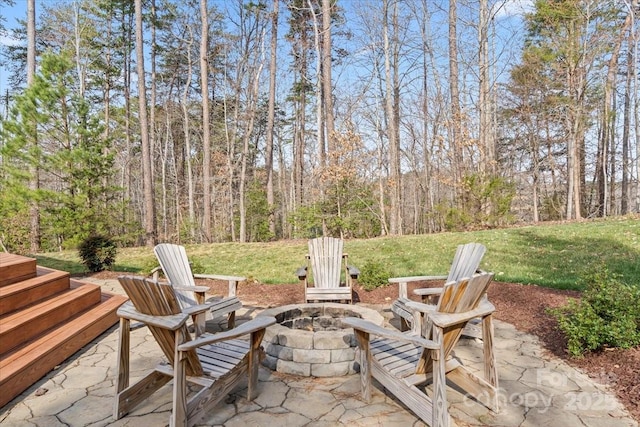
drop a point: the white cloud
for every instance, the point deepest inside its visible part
(8, 41)
(509, 8)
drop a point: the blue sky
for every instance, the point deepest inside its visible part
(508, 9)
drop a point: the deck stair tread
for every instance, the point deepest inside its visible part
(45, 317)
(22, 294)
(15, 268)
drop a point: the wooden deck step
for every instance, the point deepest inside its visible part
(24, 325)
(15, 268)
(45, 317)
(19, 295)
(26, 364)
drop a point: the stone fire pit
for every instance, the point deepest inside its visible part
(310, 340)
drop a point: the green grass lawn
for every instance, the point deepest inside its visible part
(555, 255)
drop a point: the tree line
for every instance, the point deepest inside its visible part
(210, 121)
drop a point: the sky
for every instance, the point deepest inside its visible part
(509, 9)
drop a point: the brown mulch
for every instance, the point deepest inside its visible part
(524, 306)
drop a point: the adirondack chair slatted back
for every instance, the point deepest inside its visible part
(157, 299)
(175, 265)
(466, 261)
(325, 256)
(461, 296)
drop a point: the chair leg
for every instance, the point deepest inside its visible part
(365, 364)
(122, 375)
(199, 323)
(404, 325)
(439, 401)
(254, 364)
(231, 320)
(179, 411)
(490, 367)
(129, 398)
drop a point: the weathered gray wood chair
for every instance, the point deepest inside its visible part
(214, 362)
(176, 268)
(466, 262)
(401, 362)
(327, 261)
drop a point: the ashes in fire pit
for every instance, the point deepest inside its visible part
(310, 340)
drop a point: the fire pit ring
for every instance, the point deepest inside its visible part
(310, 340)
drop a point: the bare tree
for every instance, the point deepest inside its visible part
(271, 113)
(300, 40)
(320, 123)
(626, 166)
(152, 110)
(147, 183)
(206, 139)
(456, 112)
(485, 107)
(390, 30)
(603, 160)
(187, 136)
(327, 85)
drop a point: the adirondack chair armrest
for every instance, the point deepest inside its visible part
(173, 322)
(155, 273)
(301, 273)
(233, 281)
(255, 325)
(372, 328)
(427, 291)
(354, 272)
(196, 289)
(220, 277)
(444, 320)
(196, 309)
(403, 281)
(415, 279)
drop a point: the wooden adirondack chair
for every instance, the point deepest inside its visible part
(400, 362)
(175, 266)
(214, 362)
(465, 263)
(326, 261)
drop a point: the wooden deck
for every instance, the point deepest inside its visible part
(45, 317)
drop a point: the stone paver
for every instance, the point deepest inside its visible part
(535, 390)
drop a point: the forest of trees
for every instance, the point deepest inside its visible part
(230, 120)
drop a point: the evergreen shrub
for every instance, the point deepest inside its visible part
(373, 275)
(97, 253)
(607, 315)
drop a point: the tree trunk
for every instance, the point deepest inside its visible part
(187, 140)
(152, 109)
(626, 166)
(206, 138)
(127, 30)
(607, 126)
(327, 85)
(390, 66)
(485, 107)
(320, 137)
(34, 184)
(147, 183)
(271, 113)
(456, 114)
